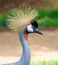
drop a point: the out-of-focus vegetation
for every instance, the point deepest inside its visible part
(3, 18)
(6, 5)
(47, 18)
(45, 63)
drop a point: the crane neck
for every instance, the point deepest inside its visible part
(23, 40)
(26, 51)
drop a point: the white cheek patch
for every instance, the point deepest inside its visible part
(29, 28)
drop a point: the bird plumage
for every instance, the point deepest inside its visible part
(18, 22)
(19, 18)
(25, 59)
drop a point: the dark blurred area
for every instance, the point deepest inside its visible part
(6, 5)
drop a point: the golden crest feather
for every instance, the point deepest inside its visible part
(19, 18)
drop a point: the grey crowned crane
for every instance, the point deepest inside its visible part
(24, 27)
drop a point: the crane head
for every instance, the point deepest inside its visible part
(32, 28)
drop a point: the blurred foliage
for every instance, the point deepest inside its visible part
(54, 0)
(53, 13)
(45, 0)
(27, 0)
(45, 63)
(46, 18)
(3, 18)
(9, 4)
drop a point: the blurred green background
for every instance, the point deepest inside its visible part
(47, 19)
(47, 15)
(47, 11)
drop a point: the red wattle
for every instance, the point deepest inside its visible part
(26, 36)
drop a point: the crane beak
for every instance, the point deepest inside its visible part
(36, 30)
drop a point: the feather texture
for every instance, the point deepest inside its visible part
(19, 18)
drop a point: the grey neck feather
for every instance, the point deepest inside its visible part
(25, 59)
(26, 51)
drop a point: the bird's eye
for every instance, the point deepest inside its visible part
(29, 28)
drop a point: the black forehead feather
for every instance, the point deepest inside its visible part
(35, 24)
